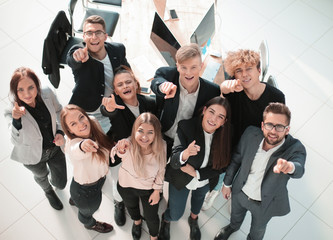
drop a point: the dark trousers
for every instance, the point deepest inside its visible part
(53, 160)
(131, 197)
(240, 204)
(178, 198)
(87, 198)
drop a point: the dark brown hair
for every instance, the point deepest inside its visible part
(95, 19)
(96, 133)
(220, 151)
(18, 75)
(277, 108)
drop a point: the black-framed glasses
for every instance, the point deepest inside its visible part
(278, 127)
(98, 33)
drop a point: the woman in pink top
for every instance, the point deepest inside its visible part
(141, 175)
(88, 148)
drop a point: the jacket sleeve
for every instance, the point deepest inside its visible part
(159, 78)
(208, 172)
(57, 107)
(70, 60)
(180, 144)
(16, 136)
(298, 159)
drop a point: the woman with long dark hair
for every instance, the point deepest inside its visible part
(200, 153)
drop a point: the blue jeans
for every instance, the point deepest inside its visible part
(218, 186)
(177, 202)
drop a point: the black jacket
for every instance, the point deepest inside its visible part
(122, 120)
(89, 76)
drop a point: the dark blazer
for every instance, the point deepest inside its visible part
(274, 193)
(89, 76)
(122, 120)
(167, 108)
(187, 131)
(54, 45)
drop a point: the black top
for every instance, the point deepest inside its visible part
(246, 112)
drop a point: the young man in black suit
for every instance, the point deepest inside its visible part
(180, 91)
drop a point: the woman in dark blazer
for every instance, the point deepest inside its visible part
(126, 105)
(200, 153)
(35, 132)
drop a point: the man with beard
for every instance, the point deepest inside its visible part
(265, 159)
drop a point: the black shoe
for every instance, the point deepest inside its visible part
(136, 231)
(195, 233)
(101, 227)
(164, 230)
(71, 202)
(54, 200)
(224, 233)
(119, 213)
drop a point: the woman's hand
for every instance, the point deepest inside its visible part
(154, 197)
(189, 170)
(59, 139)
(89, 145)
(122, 146)
(18, 111)
(110, 104)
(191, 150)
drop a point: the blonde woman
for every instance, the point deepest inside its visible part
(141, 175)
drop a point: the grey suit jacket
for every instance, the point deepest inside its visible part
(274, 193)
(28, 141)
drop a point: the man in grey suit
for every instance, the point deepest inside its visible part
(265, 159)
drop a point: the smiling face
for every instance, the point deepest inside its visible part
(145, 135)
(94, 43)
(125, 86)
(189, 71)
(273, 137)
(213, 117)
(78, 124)
(248, 75)
(27, 91)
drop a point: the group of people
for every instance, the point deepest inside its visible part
(193, 134)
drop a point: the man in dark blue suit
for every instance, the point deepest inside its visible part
(180, 91)
(260, 168)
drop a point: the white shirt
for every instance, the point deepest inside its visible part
(252, 187)
(186, 107)
(195, 183)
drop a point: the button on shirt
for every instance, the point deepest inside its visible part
(186, 107)
(252, 187)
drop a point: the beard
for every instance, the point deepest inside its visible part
(274, 141)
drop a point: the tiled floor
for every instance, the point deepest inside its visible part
(299, 35)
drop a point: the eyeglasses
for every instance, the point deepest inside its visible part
(278, 127)
(98, 34)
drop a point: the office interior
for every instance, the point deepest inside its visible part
(299, 34)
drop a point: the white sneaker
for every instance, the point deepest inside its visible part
(209, 199)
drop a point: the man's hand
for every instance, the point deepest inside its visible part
(18, 111)
(283, 166)
(189, 170)
(226, 192)
(229, 86)
(81, 55)
(110, 104)
(169, 89)
(89, 145)
(191, 150)
(59, 139)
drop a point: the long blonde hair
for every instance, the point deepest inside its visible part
(96, 133)
(158, 146)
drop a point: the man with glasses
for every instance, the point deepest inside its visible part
(93, 63)
(265, 159)
(247, 96)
